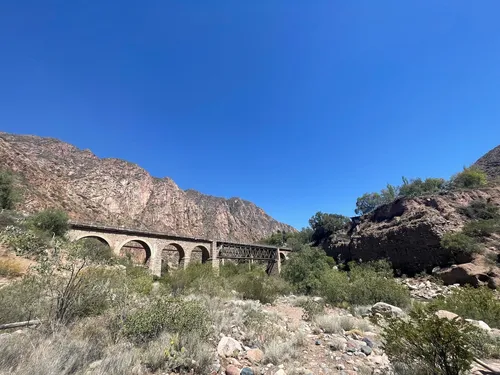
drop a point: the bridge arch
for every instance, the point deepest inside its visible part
(100, 238)
(172, 256)
(200, 254)
(141, 254)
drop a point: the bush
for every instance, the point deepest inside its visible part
(459, 243)
(438, 345)
(179, 354)
(312, 308)
(480, 209)
(373, 282)
(8, 193)
(10, 268)
(24, 242)
(173, 315)
(304, 270)
(21, 300)
(417, 187)
(196, 278)
(328, 227)
(52, 221)
(482, 228)
(256, 284)
(469, 178)
(472, 303)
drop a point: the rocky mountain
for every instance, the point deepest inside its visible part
(408, 232)
(115, 192)
(490, 163)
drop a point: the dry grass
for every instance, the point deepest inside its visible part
(340, 324)
(10, 267)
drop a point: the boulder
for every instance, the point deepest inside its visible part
(480, 324)
(446, 314)
(228, 347)
(280, 372)
(255, 355)
(387, 310)
(232, 370)
(246, 371)
(467, 273)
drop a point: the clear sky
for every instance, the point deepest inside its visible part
(298, 106)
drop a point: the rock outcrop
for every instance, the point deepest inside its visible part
(118, 193)
(408, 231)
(490, 163)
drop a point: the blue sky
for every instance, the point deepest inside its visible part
(298, 106)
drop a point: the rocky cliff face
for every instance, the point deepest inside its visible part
(409, 230)
(115, 192)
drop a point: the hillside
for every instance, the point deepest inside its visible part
(490, 163)
(409, 230)
(115, 192)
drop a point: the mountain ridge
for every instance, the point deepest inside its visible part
(112, 191)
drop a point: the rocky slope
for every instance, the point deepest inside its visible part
(408, 232)
(490, 163)
(115, 192)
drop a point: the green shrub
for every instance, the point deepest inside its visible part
(482, 228)
(459, 243)
(438, 346)
(256, 284)
(334, 286)
(472, 303)
(417, 187)
(8, 193)
(480, 209)
(374, 282)
(139, 279)
(21, 300)
(52, 221)
(312, 308)
(304, 270)
(93, 250)
(24, 242)
(469, 178)
(172, 315)
(196, 278)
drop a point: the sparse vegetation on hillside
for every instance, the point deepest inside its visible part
(8, 193)
(469, 178)
(472, 303)
(485, 221)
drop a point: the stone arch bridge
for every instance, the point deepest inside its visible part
(155, 245)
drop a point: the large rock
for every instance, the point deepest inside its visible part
(228, 347)
(255, 355)
(115, 192)
(445, 314)
(232, 370)
(468, 273)
(387, 310)
(479, 324)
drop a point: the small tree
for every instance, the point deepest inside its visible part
(8, 193)
(52, 221)
(438, 346)
(327, 226)
(367, 203)
(469, 178)
(305, 269)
